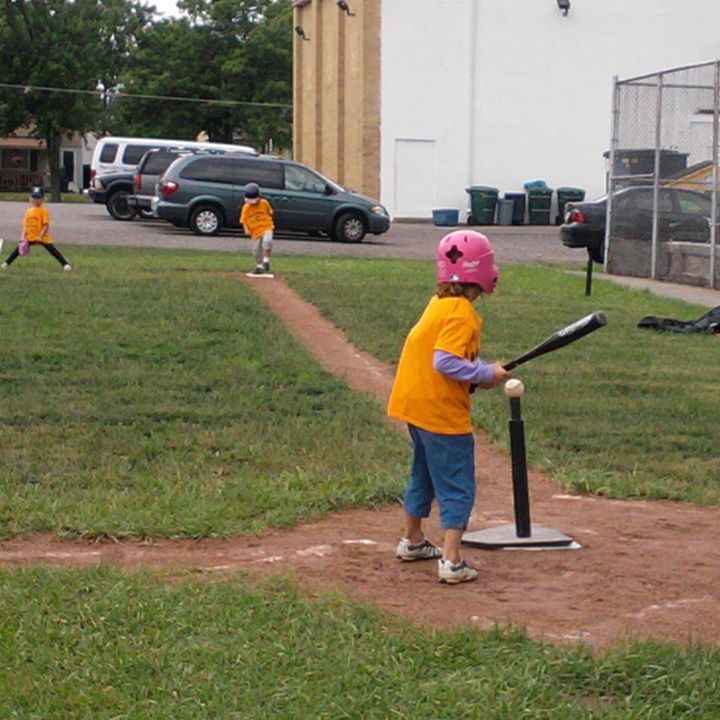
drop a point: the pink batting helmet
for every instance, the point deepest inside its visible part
(466, 256)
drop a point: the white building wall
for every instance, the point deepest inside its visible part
(480, 92)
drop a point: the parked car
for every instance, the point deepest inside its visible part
(683, 215)
(206, 193)
(112, 191)
(147, 173)
(127, 194)
(122, 154)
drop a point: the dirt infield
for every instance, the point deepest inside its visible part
(645, 569)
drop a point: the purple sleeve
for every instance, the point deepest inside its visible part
(456, 368)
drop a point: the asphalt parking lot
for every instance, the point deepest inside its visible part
(90, 224)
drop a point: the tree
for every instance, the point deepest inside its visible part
(229, 50)
(62, 44)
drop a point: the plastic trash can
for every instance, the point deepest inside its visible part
(539, 202)
(483, 201)
(446, 216)
(505, 212)
(566, 195)
(518, 200)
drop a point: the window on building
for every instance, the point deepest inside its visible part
(12, 159)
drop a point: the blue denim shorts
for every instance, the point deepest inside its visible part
(443, 467)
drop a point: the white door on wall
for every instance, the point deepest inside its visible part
(415, 174)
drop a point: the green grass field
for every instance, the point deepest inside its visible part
(102, 644)
(147, 394)
(624, 412)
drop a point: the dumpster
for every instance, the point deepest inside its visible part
(446, 216)
(483, 200)
(566, 195)
(505, 212)
(539, 202)
(518, 200)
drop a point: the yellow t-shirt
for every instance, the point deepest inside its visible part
(258, 218)
(35, 219)
(421, 395)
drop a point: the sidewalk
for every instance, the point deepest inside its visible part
(688, 293)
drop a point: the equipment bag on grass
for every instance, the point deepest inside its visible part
(709, 322)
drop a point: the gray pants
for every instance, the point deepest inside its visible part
(263, 245)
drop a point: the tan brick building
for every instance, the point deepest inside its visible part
(336, 91)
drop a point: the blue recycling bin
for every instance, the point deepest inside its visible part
(446, 217)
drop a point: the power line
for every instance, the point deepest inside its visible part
(117, 93)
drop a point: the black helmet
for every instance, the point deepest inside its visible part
(252, 191)
(37, 192)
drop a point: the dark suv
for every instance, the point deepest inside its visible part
(151, 166)
(127, 194)
(206, 194)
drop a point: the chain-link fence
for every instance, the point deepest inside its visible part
(663, 176)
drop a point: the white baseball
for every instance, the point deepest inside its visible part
(514, 388)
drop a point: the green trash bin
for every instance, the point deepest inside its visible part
(539, 202)
(483, 200)
(566, 195)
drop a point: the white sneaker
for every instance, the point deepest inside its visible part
(424, 550)
(453, 574)
(67, 268)
(4, 266)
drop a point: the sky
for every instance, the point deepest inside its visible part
(167, 7)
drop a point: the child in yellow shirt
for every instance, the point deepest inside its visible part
(36, 231)
(256, 218)
(438, 366)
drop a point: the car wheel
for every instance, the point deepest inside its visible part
(206, 220)
(117, 206)
(350, 228)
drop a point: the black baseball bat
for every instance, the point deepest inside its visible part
(561, 338)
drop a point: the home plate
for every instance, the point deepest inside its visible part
(267, 276)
